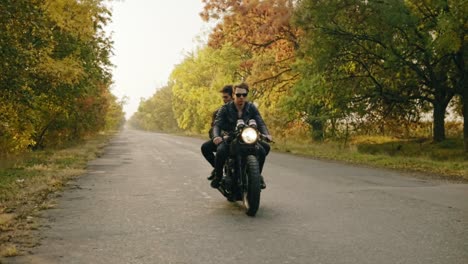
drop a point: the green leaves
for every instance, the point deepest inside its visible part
(196, 83)
(386, 53)
(55, 71)
(333, 66)
(156, 113)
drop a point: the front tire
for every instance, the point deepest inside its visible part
(251, 194)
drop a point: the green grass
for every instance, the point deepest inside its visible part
(446, 159)
(27, 182)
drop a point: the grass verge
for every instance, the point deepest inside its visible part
(445, 160)
(28, 184)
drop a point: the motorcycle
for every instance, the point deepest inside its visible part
(242, 166)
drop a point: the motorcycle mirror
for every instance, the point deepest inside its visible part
(240, 123)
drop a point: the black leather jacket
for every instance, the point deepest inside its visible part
(226, 119)
(210, 132)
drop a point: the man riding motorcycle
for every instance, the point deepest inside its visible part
(226, 120)
(208, 148)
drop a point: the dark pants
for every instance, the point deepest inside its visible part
(222, 153)
(208, 149)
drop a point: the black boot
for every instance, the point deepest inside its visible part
(212, 176)
(216, 181)
(262, 182)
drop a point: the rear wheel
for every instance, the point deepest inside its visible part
(251, 194)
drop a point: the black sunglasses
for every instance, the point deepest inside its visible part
(241, 94)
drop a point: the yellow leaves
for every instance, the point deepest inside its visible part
(14, 135)
(62, 71)
(196, 84)
(156, 112)
(72, 16)
(349, 67)
(54, 72)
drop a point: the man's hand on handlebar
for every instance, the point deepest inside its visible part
(217, 140)
(267, 138)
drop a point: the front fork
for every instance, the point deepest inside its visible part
(238, 170)
(240, 175)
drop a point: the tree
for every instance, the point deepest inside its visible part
(156, 113)
(196, 83)
(55, 71)
(383, 50)
(262, 31)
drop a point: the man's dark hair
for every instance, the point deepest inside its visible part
(227, 89)
(242, 86)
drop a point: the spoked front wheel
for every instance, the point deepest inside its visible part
(251, 194)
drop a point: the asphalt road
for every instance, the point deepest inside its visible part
(147, 200)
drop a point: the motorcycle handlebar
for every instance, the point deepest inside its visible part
(229, 136)
(266, 139)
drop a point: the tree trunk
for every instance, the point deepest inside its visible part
(463, 86)
(317, 129)
(40, 138)
(465, 118)
(439, 121)
(316, 121)
(333, 128)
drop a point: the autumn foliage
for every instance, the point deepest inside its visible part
(336, 68)
(55, 73)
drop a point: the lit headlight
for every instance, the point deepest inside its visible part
(249, 135)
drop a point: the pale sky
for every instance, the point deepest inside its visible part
(150, 37)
